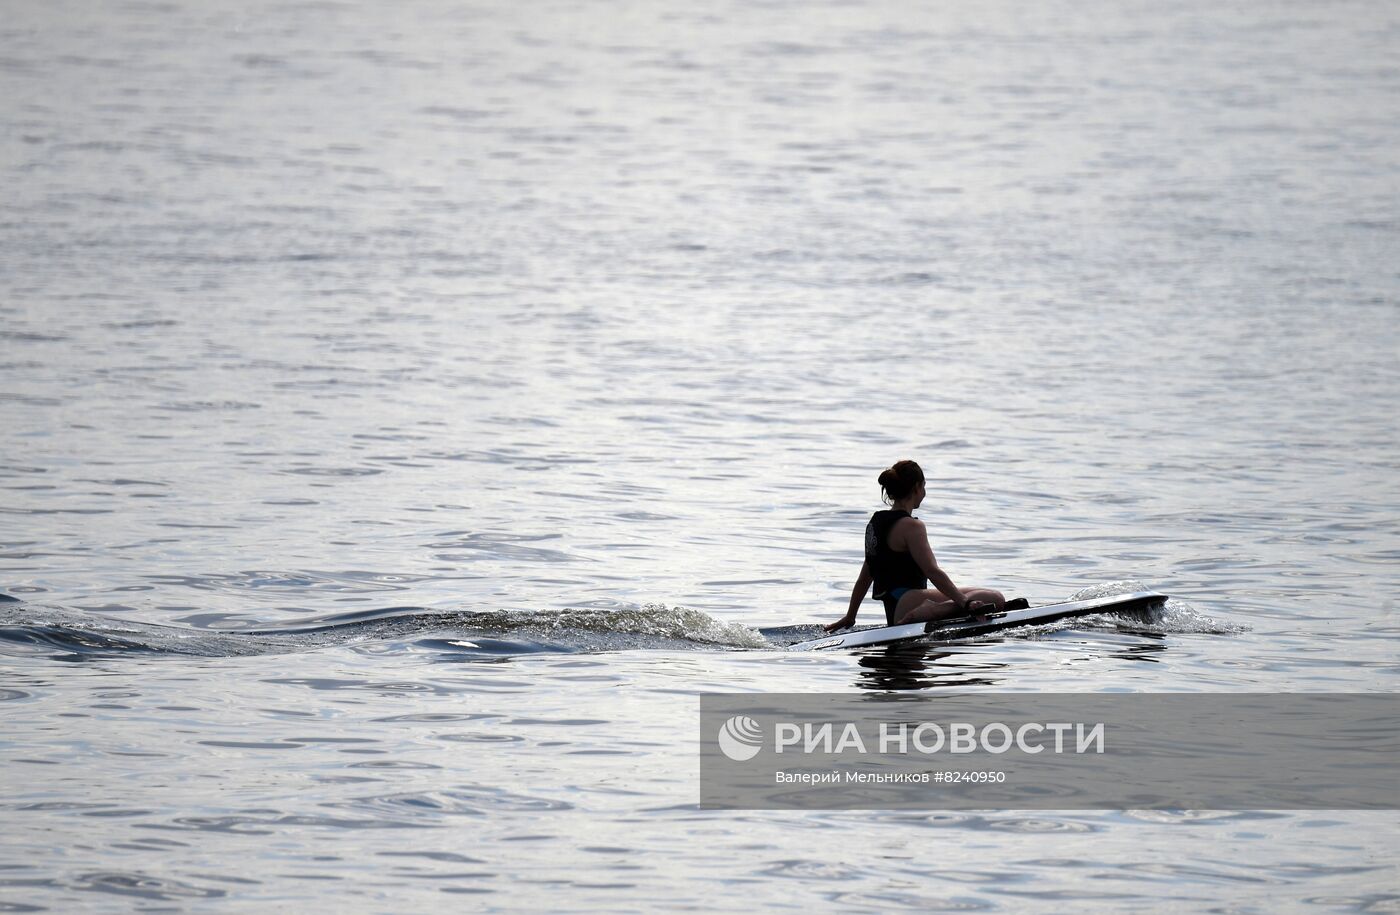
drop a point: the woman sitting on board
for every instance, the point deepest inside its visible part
(900, 562)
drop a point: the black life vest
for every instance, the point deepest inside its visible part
(889, 568)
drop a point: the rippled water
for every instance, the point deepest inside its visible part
(407, 410)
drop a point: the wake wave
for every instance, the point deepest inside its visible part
(1177, 617)
(55, 631)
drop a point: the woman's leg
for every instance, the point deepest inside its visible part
(930, 604)
(921, 606)
(986, 596)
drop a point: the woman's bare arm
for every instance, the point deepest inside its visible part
(862, 588)
(916, 542)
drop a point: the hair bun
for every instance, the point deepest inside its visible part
(900, 480)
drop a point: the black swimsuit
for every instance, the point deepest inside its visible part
(894, 572)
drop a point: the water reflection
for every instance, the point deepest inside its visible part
(914, 667)
(923, 666)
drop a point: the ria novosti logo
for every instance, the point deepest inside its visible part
(740, 738)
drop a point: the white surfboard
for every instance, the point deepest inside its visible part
(1139, 603)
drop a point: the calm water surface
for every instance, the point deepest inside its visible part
(406, 411)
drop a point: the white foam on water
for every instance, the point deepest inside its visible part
(1177, 616)
(656, 620)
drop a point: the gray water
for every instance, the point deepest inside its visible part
(407, 410)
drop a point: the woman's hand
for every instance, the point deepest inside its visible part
(842, 623)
